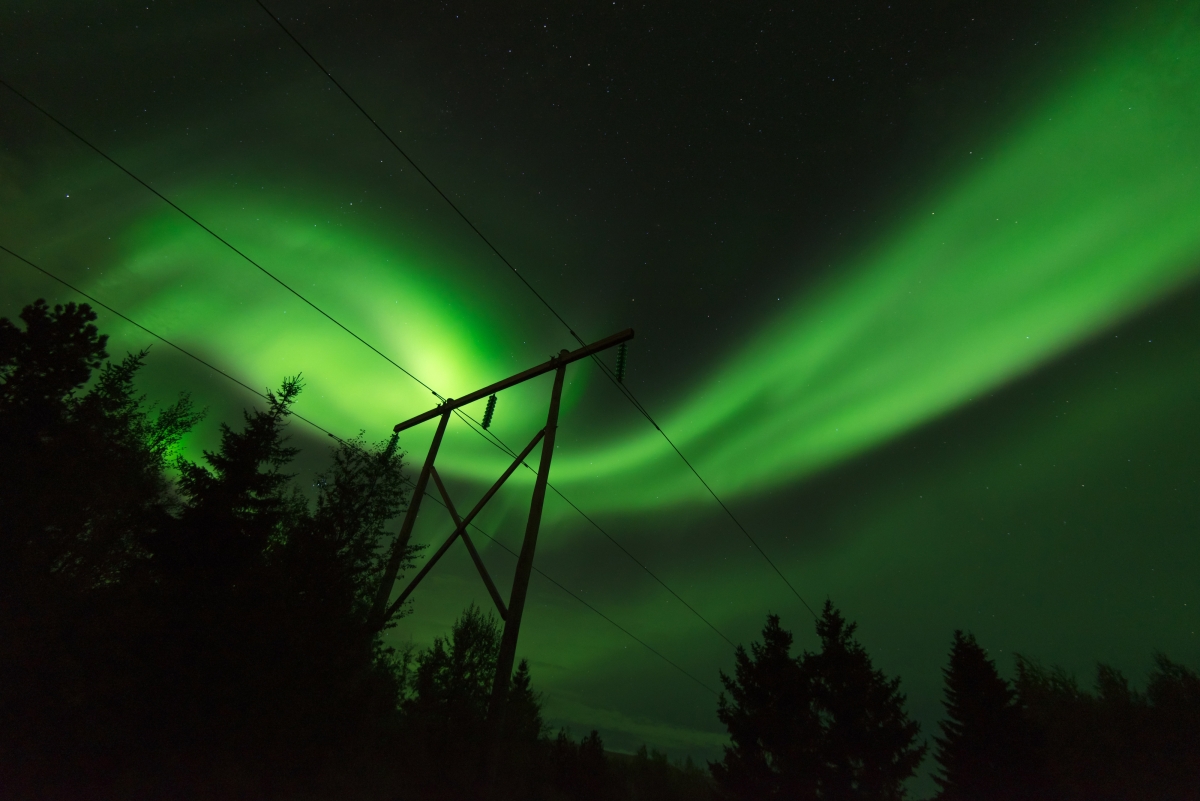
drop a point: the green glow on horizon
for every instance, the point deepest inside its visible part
(1081, 215)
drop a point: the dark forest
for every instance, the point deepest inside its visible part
(171, 629)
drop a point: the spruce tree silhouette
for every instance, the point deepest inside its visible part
(82, 471)
(987, 751)
(446, 716)
(772, 728)
(275, 675)
(868, 742)
(1116, 742)
(825, 725)
(591, 776)
(209, 642)
(81, 484)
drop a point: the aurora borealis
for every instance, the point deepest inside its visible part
(944, 367)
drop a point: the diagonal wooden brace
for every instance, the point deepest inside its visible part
(380, 614)
(412, 585)
(461, 528)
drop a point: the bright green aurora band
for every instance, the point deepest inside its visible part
(1079, 216)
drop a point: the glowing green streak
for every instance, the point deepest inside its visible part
(1084, 214)
(259, 331)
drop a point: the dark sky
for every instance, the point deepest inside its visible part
(913, 285)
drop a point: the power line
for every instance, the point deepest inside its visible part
(163, 339)
(728, 511)
(413, 164)
(585, 603)
(624, 390)
(638, 562)
(216, 236)
(504, 448)
(329, 433)
(462, 415)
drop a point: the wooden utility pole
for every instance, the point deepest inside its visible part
(512, 613)
(400, 545)
(520, 586)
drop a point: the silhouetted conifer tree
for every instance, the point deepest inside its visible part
(650, 776)
(1116, 742)
(867, 746)
(447, 715)
(579, 771)
(826, 725)
(275, 675)
(987, 750)
(82, 475)
(591, 780)
(772, 728)
(210, 643)
(82, 484)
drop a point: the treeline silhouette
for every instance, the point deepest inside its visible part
(828, 725)
(210, 636)
(175, 630)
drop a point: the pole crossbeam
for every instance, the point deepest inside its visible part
(561, 359)
(512, 612)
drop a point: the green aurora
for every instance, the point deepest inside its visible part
(1061, 229)
(1077, 218)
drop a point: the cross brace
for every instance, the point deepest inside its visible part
(512, 613)
(460, 529)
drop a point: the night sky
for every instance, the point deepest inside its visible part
(914, 285)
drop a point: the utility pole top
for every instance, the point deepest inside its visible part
(563, 358)
(511, 613)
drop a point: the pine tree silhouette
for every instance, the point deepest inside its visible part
(772, 728)
(867, 748)
(826, 725)
(201, 639)
(986, 750)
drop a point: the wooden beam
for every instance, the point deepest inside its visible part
(461, 530)
(487, 496)
(563, 358)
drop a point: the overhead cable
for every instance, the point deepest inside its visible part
(329, 433)
(617, 382)
(628, 633)
(498, 443)
(413, 164)
(215, 235)
(462, 415)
